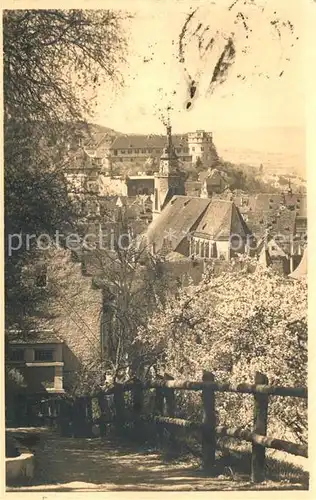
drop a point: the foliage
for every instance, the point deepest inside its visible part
(132, 284)
(54, 60)
(48, 53)
(245, 178)
(235, 324)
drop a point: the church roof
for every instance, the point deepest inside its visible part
(175, 221)
(222, 219)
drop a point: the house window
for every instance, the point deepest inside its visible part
(202, 148)
(43, 355)
(41, 276)
(143, 150)
(16, 355)
(136, 150)
(123, 151)
(129, 151)
(193, 149)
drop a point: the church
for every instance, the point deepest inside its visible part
(192, 226)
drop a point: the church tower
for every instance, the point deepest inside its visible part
(169, 181)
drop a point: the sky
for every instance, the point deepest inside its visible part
(155, 79)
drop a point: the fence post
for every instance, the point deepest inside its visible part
(159, 410)
(170, 410)
(103, 406)
(89, 415)
(138, 403)
(261, 402)
(209, 419)
(119, 407)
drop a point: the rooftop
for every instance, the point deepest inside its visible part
(222, 219)
(148, 141)
(176, 220)
(33, 337)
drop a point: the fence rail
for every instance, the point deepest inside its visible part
(244, 388)
(165, 411)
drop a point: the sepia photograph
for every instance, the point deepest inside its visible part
(155, 246)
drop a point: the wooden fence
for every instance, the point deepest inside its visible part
(165, 411)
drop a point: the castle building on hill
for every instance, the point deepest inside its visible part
(137, 148)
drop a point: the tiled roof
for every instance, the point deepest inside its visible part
(222, 219)
(33, 337)
(148, 141)
(277, 221)
(176, 220)
(266, 202)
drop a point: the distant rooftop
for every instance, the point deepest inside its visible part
(33, 337)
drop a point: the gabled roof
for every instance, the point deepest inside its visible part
(175, 221)
(222, 219)
(266, 202)
(212, 176)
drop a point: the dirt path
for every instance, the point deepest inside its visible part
(81, 464)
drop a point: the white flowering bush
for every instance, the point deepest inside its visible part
(233, 325)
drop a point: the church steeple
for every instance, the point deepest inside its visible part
(169, 162)
(169, 181)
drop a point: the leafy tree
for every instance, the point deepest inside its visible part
(133, 284)
(54, 61)
(235, 324)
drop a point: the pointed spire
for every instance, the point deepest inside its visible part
(168, 159)
(264, 257)
(204, 192)
(301, 269)
(169, 138)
